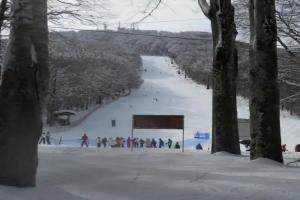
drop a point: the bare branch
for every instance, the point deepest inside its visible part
(205, 8)
(285, 46)
(150, 12)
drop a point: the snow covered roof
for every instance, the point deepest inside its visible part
(65, 112)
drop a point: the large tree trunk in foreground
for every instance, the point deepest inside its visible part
(23, 88)
(264, 97)
(225, 135)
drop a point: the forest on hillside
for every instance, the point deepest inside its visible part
(84, 73)
(192, 51)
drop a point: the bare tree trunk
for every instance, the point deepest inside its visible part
(225, 135)
(264, 97)
(24, 86)
(3, 9)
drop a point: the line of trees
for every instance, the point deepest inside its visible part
(83, 12)
(85, 72)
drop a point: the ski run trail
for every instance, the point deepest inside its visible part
(166, 92)
(68, 172)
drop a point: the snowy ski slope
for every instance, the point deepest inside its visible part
(73, 173)
(164, 91)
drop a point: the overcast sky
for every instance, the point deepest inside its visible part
(172, 15)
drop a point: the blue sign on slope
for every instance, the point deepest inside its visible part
(202, 136)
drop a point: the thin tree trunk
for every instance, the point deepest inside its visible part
(3, 9)
(264, 99)
(225, 135)
(24, 86)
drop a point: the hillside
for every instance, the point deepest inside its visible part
(84, 73)
(195, 57)
(164, 92)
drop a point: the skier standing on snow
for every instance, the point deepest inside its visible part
(177, 146)
(122, 142)
(98, 141)
(136, 143)
(85, 140)
(128, 142)
(43, 138)
(153, 143)
(118, 142)
(142, 142)
(169, 143)
(104, 142)
(161, 143)
(199, 146)
(48, 137)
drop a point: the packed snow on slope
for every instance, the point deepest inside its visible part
(68, 173)
(164, 91)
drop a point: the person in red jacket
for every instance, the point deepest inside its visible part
(283, 148)
(297, 148)
(85, 140)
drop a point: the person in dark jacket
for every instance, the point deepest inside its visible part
(283, 148)
(161, 143)
(169, 143)
(98, 142)
(48, 137)
(142, 142)
(43, 138)
(297, 148)
(104, 142)
(153, 143)
(85, 140)
(177, 146)
(128, 142)
(199, 147)
(247, 144)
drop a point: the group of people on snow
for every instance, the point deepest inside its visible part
(129, 142)
(45, 138)
(247, 143)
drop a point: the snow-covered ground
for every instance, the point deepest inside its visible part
(117, 174)
(175, 95)
(73, 173)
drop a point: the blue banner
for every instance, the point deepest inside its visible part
(202, 136)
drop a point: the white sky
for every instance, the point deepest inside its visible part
(187, 12)
(185, 15)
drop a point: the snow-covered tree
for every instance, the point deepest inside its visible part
(84, 70)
